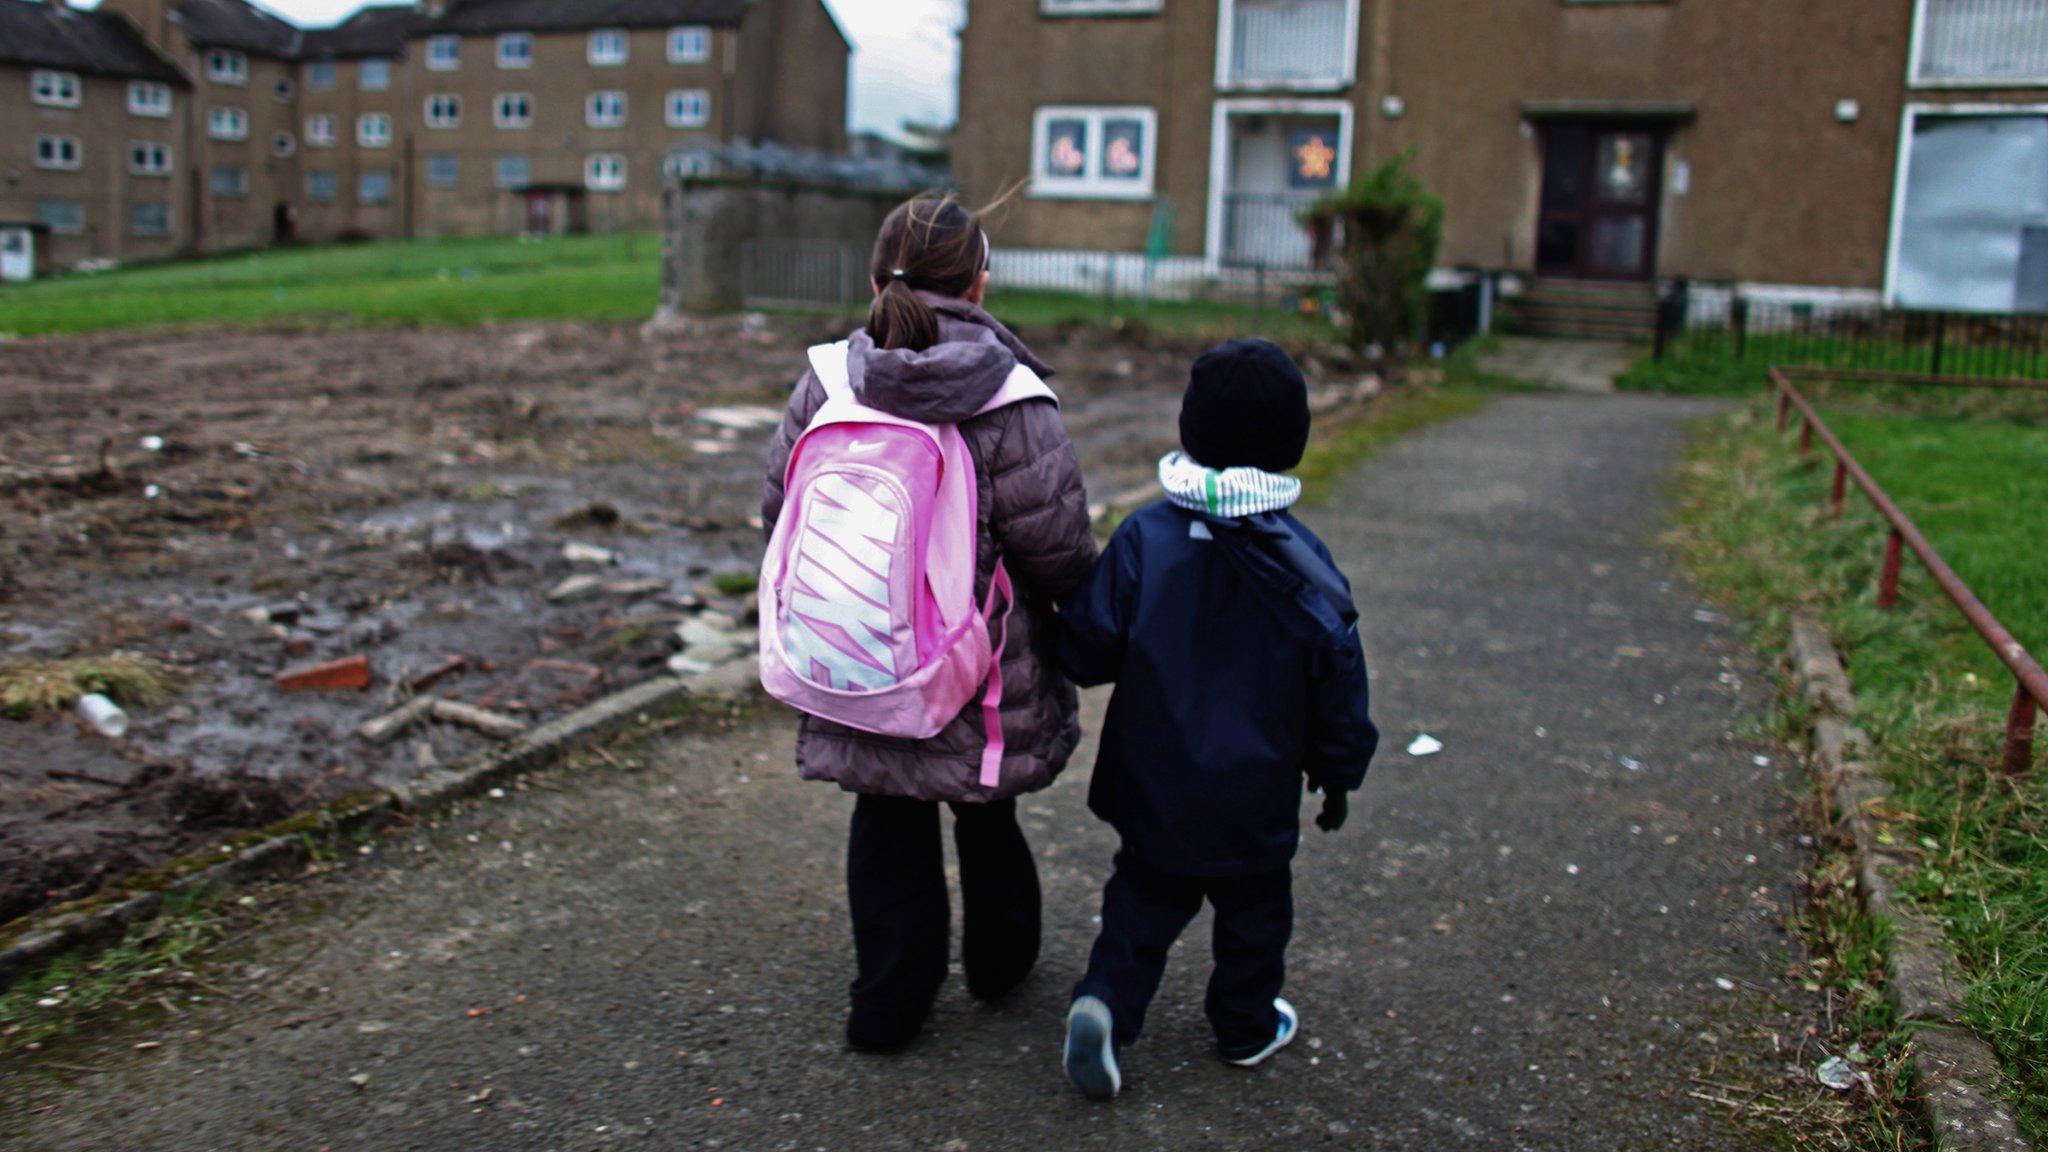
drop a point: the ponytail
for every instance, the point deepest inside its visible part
(928, 244)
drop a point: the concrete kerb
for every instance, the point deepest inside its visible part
(1956, 1078)
(102, 921)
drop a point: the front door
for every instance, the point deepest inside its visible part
(1601, 189)
(17, 255)
(540, 213)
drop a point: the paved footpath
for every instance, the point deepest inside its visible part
(1518, 943)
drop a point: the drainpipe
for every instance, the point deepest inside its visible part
(1378, 82)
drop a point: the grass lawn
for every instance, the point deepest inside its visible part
(1932, 694)
(460, 281)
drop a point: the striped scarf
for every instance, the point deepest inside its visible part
(1228, 494)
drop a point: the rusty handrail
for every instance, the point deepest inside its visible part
(2030, 683)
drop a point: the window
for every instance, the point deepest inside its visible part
(149, 159)
(374, 187)
(1299, 45)
(320, 187)
(373, 130)
(1103, 153)
(608, 48)
(1097, 7)
(227, 123)
(605, 172)
(514, 171)
(689, 108)
(605, 110)
(1980, 44)
(373, 74)
(690, 44)
(64, 217)
(444, 170)
(283, 144)
(320, 132)
(444, 110)
(148, 98)
(149, 218)
(59, 153)
(282, 89)
(229, 180)
(444, 53)
(513, 110)
(320, 75)
(515, 50)
(224, 66)
(54, 89)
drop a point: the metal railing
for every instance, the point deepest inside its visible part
(1982, 41)
(1705, 328)
(1287, 42)
(804, 275)
(1264, 230)
(2030, 693)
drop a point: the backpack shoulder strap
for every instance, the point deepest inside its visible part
(829, 362)
(1023, 384)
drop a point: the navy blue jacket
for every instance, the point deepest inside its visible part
(1236, 675)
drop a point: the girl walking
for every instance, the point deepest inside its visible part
(840, 637)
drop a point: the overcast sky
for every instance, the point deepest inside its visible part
(906, 63)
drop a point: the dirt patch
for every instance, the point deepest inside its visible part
(236, 504)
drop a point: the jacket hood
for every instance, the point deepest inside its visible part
(948, 382)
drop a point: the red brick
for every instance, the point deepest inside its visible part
(345, 675)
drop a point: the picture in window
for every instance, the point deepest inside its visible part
(1312, 159)
(1066, 147)
(1123, 149)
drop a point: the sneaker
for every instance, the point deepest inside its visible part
(1091, 1053)
(1289, 1024)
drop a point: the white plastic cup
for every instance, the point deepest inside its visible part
(105, 716)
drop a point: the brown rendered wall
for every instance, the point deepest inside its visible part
(791, 76)
(104, 128)
(347, 102)
(1780, 191)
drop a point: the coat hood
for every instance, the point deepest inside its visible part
(948, 382)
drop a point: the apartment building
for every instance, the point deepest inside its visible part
(91, 140)
(452, 116)
(1827, 149)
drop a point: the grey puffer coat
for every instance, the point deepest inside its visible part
(1033, 514)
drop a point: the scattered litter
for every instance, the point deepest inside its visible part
(151, 491)
(494, 724)
(152, 443)
(685, 666)
(1425, 745)
(1763, 761)
(711, 447)
(1632, 764)
(105, 716)
(634, 589)
(360, 1081)
(345, 675)
(1704, 616)
(1724, 984)
(1836, 1073)
(391, 725)
(576, 552)
(575, 588)
(741, 418)
(1571, 869)
(450, 665)
(1629, 652)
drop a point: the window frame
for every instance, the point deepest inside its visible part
(596, 59)
(228, 66)
(283, 144)
(676, 35)
(60, 146)
(362, 187)
(365, 138)
(77, 229)
(283, 89)
(1916, 60)
(670, 108)
(150, 149)
(1092, 185)
(313, 195)
(498, 170)
(428, 177)
(447, 122)
(237, 131)
(515, 64)
(66, 89)
(364, 72)
(1057, 9)
(510, 124)
(323, 75)
(241, 189)
(613, 160)
(148, 108)
(590, 108)
(135, 227)
(329, 133)
(1226, 32)
(435, 63)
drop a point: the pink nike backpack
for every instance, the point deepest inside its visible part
(868, 613)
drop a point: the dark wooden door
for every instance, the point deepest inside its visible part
(1601, 190)
(540, 213)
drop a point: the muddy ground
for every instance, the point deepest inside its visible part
(236, 504)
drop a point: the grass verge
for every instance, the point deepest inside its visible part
(31, 686)
(1932, 694)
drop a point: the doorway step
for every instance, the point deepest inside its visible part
(1582, 309)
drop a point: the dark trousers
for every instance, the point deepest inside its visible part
(896, 884)
(1145, 910)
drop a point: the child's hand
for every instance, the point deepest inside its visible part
(1336, 807)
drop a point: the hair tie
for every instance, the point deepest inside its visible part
(898, 274)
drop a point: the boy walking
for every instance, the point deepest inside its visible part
(1233, 643)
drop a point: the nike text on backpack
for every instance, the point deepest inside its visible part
(868, 612)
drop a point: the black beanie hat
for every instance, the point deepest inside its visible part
(1246, 407)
